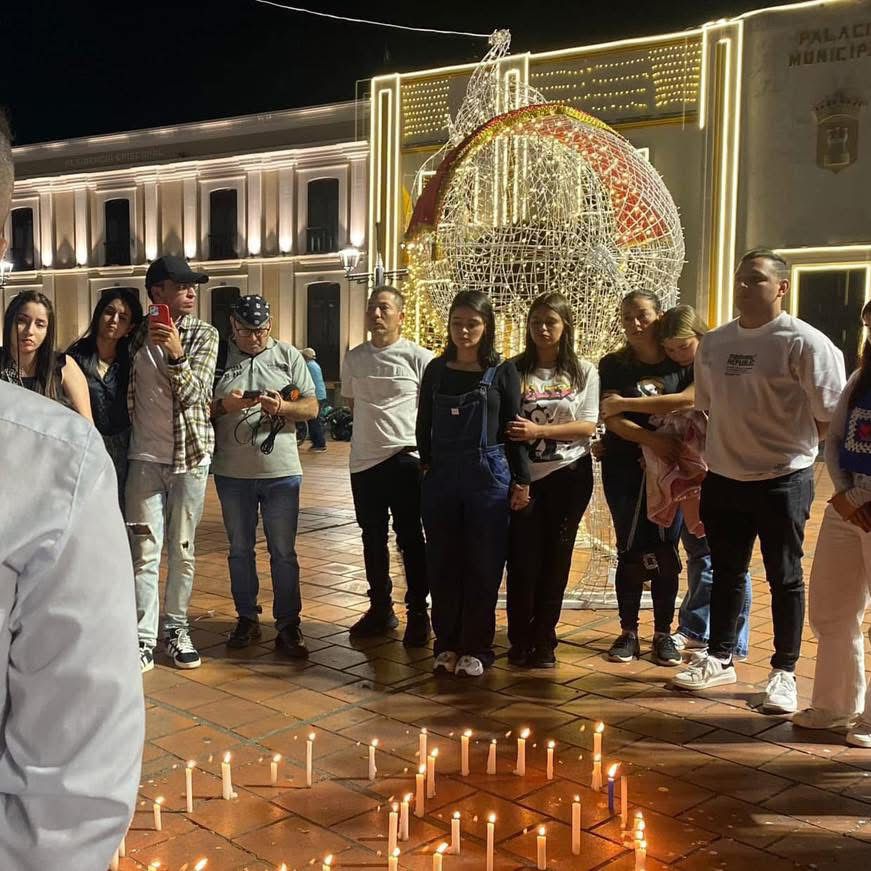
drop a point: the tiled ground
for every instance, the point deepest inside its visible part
(721, 786)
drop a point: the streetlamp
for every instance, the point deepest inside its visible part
(350, 257)
(6, 267)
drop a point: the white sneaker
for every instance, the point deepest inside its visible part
(819, 718)
(445, 662)
(469, 666)
(181, 650)
(703, 672)
(685, 644)
(860, 735)
(781, 696)
(146, 658)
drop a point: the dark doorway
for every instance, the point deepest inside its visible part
(322, 231)
(323, 326)
(223, 214)
(117, 215)
(832, 302)
(21, 243)
(223, 300)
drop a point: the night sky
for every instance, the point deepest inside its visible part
(84, 67)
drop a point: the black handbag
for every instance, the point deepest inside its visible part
(662, 561)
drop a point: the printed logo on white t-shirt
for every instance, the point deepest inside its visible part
(740, 364)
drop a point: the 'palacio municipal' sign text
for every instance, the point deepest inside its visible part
(832, 44)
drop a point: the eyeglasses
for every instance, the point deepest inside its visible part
(246, 333)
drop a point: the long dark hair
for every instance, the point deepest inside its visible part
(479, 302)
(626, 349)
(46, 359)
(567, 362)
(84, 349)
(863, 382)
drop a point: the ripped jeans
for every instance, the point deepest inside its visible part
(161, 503)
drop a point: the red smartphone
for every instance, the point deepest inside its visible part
(158, 313)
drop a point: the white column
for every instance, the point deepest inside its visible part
(189, 218)
(255, 278)
(285, 210)
(81, 219)
(150, 196)
(46, 229)
(255, 212)
(359, 198)
(286, 295)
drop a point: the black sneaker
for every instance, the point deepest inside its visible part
(542, 657)
(181, 650)
(518, 654)
(417, 629)
(625, 648)
(665, 651)
(246, 632)
(290, 642)
(146, 657)
(374, 623)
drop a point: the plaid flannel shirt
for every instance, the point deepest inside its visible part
(191, 382)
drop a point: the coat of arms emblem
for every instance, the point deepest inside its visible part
(838, 131)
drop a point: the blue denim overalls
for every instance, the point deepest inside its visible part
(465, 515)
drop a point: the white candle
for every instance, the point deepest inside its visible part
(392, 829)
(189, 785)
(455, 834)
(328, 861)
(403, 818)
(597, 738)
(372, 768)
(596, 783)
(464, 752)
(393, 861)
(491, 837)
(576, 826)
(201, 864)
(419, 806)
(520, 768)
(541, 850)
(430, 773)
(226, 778)
(309, 750)
(115, 862)
(273, 769)
(641, 855)
(550, 749)
(491, 758)
(421, 747)
(158, 822)
(624, 802)
(437, 857)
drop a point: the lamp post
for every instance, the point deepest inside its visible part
(350, 257)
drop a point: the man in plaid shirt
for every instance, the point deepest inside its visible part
(171, 374)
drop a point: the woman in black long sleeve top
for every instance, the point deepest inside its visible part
(467, 399)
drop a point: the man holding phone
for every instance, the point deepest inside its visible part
(264, 390)
(172, 368)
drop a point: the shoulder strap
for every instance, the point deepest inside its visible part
(489, 375)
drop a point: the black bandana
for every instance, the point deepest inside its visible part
(252, 311)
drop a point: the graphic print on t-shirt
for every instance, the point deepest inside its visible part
(740, 364)
(549, 404)
(651, 385)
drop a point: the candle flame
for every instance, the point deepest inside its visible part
(226, 757)
(492, 740)
(311, 736)
(423, 731)
(201, 864)
(551, 745)
(491, 818)
(328, 860)
(456, 815)
(613, 770)
(541, 831)
(277, 757)
(159, 800)
(283, 867)
(468, 733)
(577, 798)
(643, 845)
(408, 797)
(374, 742)
(442, 848)
(422, 769)
(434, 752)
(395, 807)
(396, 853)
(191, 763)
(600, 727)
(524, 733)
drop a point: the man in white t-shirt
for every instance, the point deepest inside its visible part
(381, 378)
(769, 383)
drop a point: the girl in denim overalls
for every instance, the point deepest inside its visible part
(473, 479)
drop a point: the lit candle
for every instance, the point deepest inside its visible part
(328, 861)
(491, 837)
(641, 855)
(201, 864)
(455, 833)
(541, 850)
(430, 773)
(226, 778)
(624, 802)
(421, 747)
(596, 783)
(491, 758)
(189, 785)
(464, 752)
(520, 768)
(158, 822)
(550, 748)
(115, 862)
(273, 769)
(309, 750)
(597, 738)
(403, 818)
(419, 806)
(393, 861)
(372, 768)
(612, 771)
(437, 857)
(153, 866)
(576, 826)
(392, 829)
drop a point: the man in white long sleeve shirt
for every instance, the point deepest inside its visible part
(71, 707)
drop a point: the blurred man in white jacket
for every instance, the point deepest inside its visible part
(71, 707)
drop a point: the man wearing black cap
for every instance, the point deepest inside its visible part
(264, 390)
(171, 445)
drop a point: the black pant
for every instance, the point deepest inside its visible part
(541, 547)
(734, 513)
(622, 481)
(392, 486)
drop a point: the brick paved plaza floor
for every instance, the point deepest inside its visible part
(720, 785)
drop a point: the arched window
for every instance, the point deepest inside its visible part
(323, 326)
(223, 214)
(117, 214)
(322, 231)
(21, 243)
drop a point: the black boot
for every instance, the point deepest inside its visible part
(376, 621)
(290, 642)
(417, 629)
(246, 632)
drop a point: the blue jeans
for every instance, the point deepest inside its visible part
(277, 499)
(695, 610)
(316, 427)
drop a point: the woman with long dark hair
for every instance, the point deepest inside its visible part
(473, 479)
(28, 357)
(645, 551)
(103, 355)
(840, 582)
(558, 415)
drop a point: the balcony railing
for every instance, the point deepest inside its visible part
(321, 240)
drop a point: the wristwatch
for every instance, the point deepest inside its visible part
(176, 361)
